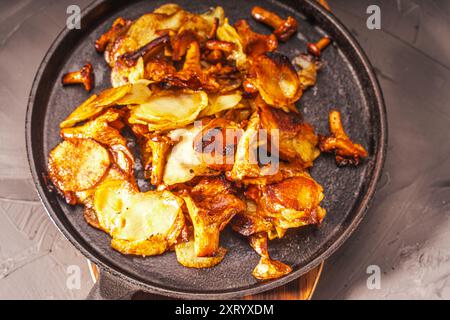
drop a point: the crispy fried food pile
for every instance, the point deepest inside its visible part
(212, 107)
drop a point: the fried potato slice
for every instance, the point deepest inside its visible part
(121, 74)
(111, 96)
(145, 224)
(221, 102)
(77, 165)
(95, 105)
(211, 205)
(156, 245)
(85, 111)
(169, 110)
(346, 151)
(187, 257)
(139, 223)
(145, 28)
(136, 216)
(168, 9)
(109, 199)
(276, 80)
(86, 197)
(182, 162)
(100, 130)
(138, 94)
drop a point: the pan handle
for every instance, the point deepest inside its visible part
(109, 287)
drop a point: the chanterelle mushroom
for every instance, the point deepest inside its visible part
(284, 29)
(346, 151)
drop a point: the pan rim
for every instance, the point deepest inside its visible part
(357, 213)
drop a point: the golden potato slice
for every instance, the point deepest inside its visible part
(186, 256)
(78, 164)
(145, 28)
(95, 105)
(121, 74)
(101, 130)
(139, 93)
(151, 247)
(168, 9)
(110, 198)
(218, 103)
(277, 81)
(182, 162)
(169, 110)
(86, 197)
(147, 214)
(135, 216)
(139, 223)
(111, 96)
(85, 111)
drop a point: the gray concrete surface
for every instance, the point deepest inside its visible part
(406, 232)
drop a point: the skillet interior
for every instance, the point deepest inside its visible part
(344, 83)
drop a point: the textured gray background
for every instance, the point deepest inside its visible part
(407, 230)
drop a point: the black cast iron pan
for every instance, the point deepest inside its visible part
(346, 82)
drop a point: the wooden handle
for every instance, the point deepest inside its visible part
(299, 289)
